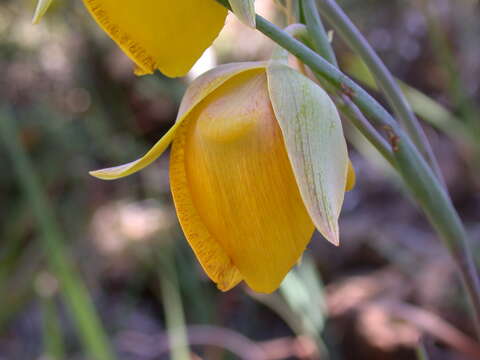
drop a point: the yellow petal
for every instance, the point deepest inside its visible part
(197, 91)
(234, 190)
(116, 172)
(351, 177)
(160, 34)
(214, 260)
(211, 80)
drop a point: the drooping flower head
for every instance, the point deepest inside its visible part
(258, 161)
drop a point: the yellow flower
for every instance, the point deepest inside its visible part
(168, 35)
(258, 161)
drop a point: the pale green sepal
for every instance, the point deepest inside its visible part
(244, 10)
(280, 55)
(41, 9)
(203, 86)
(315, 144)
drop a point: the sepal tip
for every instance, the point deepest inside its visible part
(40, 10)
(245, 11)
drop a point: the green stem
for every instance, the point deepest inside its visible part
(318, 36)
(421, 352)
(356, 117)
(73, 289)
(462, 256)
(349, 32)
(415, 171)
(317, 32)
(53, 342)
(172, 304)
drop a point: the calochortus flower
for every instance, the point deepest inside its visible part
(258, 161)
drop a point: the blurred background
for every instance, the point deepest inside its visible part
(90, 268)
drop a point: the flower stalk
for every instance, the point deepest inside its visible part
(345, 105)
(384, 78)
(417, 174)
(317, 31)
(317, 35)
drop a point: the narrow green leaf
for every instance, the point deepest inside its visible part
(315, 143)
(426, 107)
(244, 10)
(42, 7)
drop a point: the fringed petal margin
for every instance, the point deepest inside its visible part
(213, 259)
(160, 34)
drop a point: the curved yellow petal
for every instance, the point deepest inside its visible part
(197, 91)
(116, 172)
(214, 260)
(234, 190)
(160, 34)
(351, 177)
(211, 80)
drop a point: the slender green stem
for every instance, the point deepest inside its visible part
(53, 342)
(317, 32)
(349, 32)
(415, 171)
(418, 176)
(421, 352)
(73, 289)
(356, 117)
(318, 36)
(172, 304)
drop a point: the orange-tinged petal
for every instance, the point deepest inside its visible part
(213, 258)
(233, 187)
(211, 80)
(160, 34)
